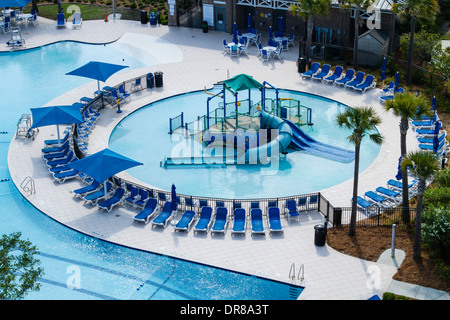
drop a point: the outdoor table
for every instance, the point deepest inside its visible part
(280, 39)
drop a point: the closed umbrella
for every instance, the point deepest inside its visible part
(396, 82)
(96, 70)
(173, 197)
(249, 22)
(399, 169)
(383, 70)
(435, 143)
(433, 104)
(56, 115)
(281, 25)
(270, 33)
(235, 40)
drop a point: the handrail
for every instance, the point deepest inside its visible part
(300, 270)
(292, 271)
(28, 185)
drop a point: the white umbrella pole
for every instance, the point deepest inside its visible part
(57, 131)
(104, 188)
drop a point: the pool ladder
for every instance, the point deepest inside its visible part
(28, 185)
(301, 271)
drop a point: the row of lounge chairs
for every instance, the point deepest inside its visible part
(338, 77)
(61, 20)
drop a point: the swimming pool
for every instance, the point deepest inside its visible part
(299, 173)
(77, 266)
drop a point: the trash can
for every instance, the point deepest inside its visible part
(320, 234)
(153, 19)
(337, 217)
(158, 79)
(301, 65)
(150, 80)
(144, 17)
(205, 26)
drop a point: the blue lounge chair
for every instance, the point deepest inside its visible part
(367, 84)
(86, 190)
(313, 200)
(388, 88)
(291, 209)
(57, 155)
(257, 221)
(114, 200)
(186, 221)
(348, 77)
(358, 80)
(56, 141)
(397, 185)
(136, 84)
(60, 20)
(275, 220)
(323, 72)
(430, 140)
(443, 144)
(164, 216)
(239, 221)
(336, 75)
(77, 20)
(151, 207)
(204, 221)
(61, 177)
(124, 94)
(56, 149)
(132, 196)
(379, 200)
(391, 96)
(366, 205)
(315, 67)
(94, 198)
(144, 196)
(70, 156)
(220, 221)
(394, 196)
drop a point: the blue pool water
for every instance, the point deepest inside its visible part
(300, 173)
(77, 266)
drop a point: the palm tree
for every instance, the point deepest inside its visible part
(423, 165)
(426, 9)
(357, 5)
(307, 10)
(407, 106)
(363, 121)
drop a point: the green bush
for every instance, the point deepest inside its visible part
(443, 178)
(436, 197)
(436, 230)
(392, 296)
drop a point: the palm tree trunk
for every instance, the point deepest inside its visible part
(405, 195)
(355, 43)
(60, 10)
(34, 5)
(410, 52)
(392, 32)
(309, 32)
(417, 234)
(352, 226)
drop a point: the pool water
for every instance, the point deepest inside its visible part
(81, 267)
(299, 173)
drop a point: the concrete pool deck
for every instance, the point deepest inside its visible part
(328, 273)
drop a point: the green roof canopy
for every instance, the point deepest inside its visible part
(242, 82)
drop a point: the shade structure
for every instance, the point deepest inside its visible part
(13, 3)
(56, 115)
(383, 70)
(242, 82)
(173, 197)
(97, 70)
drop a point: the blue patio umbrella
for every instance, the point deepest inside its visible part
(96, 70)
(249, 22)
(173, 197)
(433, 104)
(103, 165)
(281, 24)
(235, 40)
(399, 169)
(383, 70)
(56, 115)
(270, 33)
(396, 82)
(13, 3)
(435, 143)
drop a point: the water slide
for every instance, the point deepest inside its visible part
(302, 141)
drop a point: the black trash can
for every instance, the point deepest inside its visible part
(337, 217)
(158, 79)
(301, 65)
(144, 17)
(150, 80)
(153, 19)
(205, 26)
(320, 234)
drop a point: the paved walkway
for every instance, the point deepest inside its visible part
(328, 273)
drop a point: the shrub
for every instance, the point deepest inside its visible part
(443, 178)
(436, 197)
(436, 230)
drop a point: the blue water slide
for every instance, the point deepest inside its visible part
(302, 141)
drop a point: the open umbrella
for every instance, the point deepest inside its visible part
(173, 197)
(47, 116)
(102, 165)
(96, 70)
(383, 70)
(13, 3)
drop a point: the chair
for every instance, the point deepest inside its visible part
(165, 215)
(284, 45)
(57, 155)
(124, 94)
(291, 40)
(55, 162)
(302, 203)
(348, 77)
(151, 207)
(132, 196)
(336, 75)
(377, 199)
(60, 20)
(394, 196)
(275, 220)
(78, 193)
(239, 221)
(325, 71)
(367, 84)
(186, 221)
(397, 185)
(277, 53)
(315, 67)
(61, 177)
(257, 221)
(265, 55)
(391, 96)
(243, 49)
(16, 38)
(56, 148)
(77, 20)
(366, 205)
(144, 196)
(358, 80)
(56, 141)
(291, 209)
(114, 200)
(220, 221)
(33, 19)
(204, 221)
(136, 84)
(94, 197)
(260, 48)
(6, 27)
(115, 96)
(388, 88)
(234, 51)
(226, 47)
(441, 136)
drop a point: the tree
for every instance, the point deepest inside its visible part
(423, 165)
(426, 45)
(426, 9)
(407, 106)
(18, 271)
(357, 5)
(362, 121)
(307, 10)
